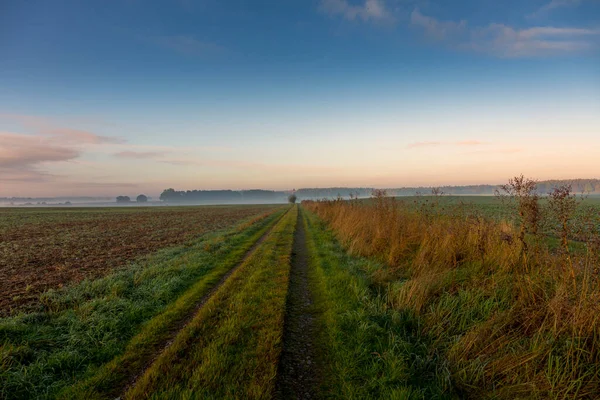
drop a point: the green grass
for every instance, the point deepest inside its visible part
(231, 347)
(373, 351)
(487, 206)
(91, 323)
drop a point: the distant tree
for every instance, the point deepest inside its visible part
(142, 198)
(123, 199)
(292, 198)
(169, 194)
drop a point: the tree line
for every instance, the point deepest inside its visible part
(587, 186)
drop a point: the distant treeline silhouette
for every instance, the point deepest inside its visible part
(591, 186)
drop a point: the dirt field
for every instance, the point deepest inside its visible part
(48, 248)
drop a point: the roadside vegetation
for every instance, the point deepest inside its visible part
(512, 312)
(78, 328)
(370, 350)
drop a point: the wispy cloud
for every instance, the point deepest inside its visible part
(435, 29)
(25, 151)
(368, 10)
(561, 3)
(553, 5)
(436, 144)
(79, 136)
(25, 157)
(188, 45)
(22, 156)
(505, 41)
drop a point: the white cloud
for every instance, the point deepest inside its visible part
(550, 31)
(505, 41)
(369, 10)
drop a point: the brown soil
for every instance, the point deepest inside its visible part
(48, 248)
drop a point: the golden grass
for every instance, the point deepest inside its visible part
(512, 323)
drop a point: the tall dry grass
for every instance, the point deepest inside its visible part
(514, 316)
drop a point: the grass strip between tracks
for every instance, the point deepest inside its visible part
(232, 346)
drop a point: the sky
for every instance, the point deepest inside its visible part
(125, 97)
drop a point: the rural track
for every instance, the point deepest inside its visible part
(207, 296)
(298, 371)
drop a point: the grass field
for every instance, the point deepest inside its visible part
(486, 206)
(384, 299)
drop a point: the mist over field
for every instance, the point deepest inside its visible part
(587, 187)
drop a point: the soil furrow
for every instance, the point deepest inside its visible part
(298, 372)
(181, 325)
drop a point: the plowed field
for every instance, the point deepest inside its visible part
(48, 248)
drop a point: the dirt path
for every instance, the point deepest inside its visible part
(181, 324)
(297, 375)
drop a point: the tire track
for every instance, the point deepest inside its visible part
(185, 321)
(298, 371)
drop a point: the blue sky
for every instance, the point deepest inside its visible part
(110, 97)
